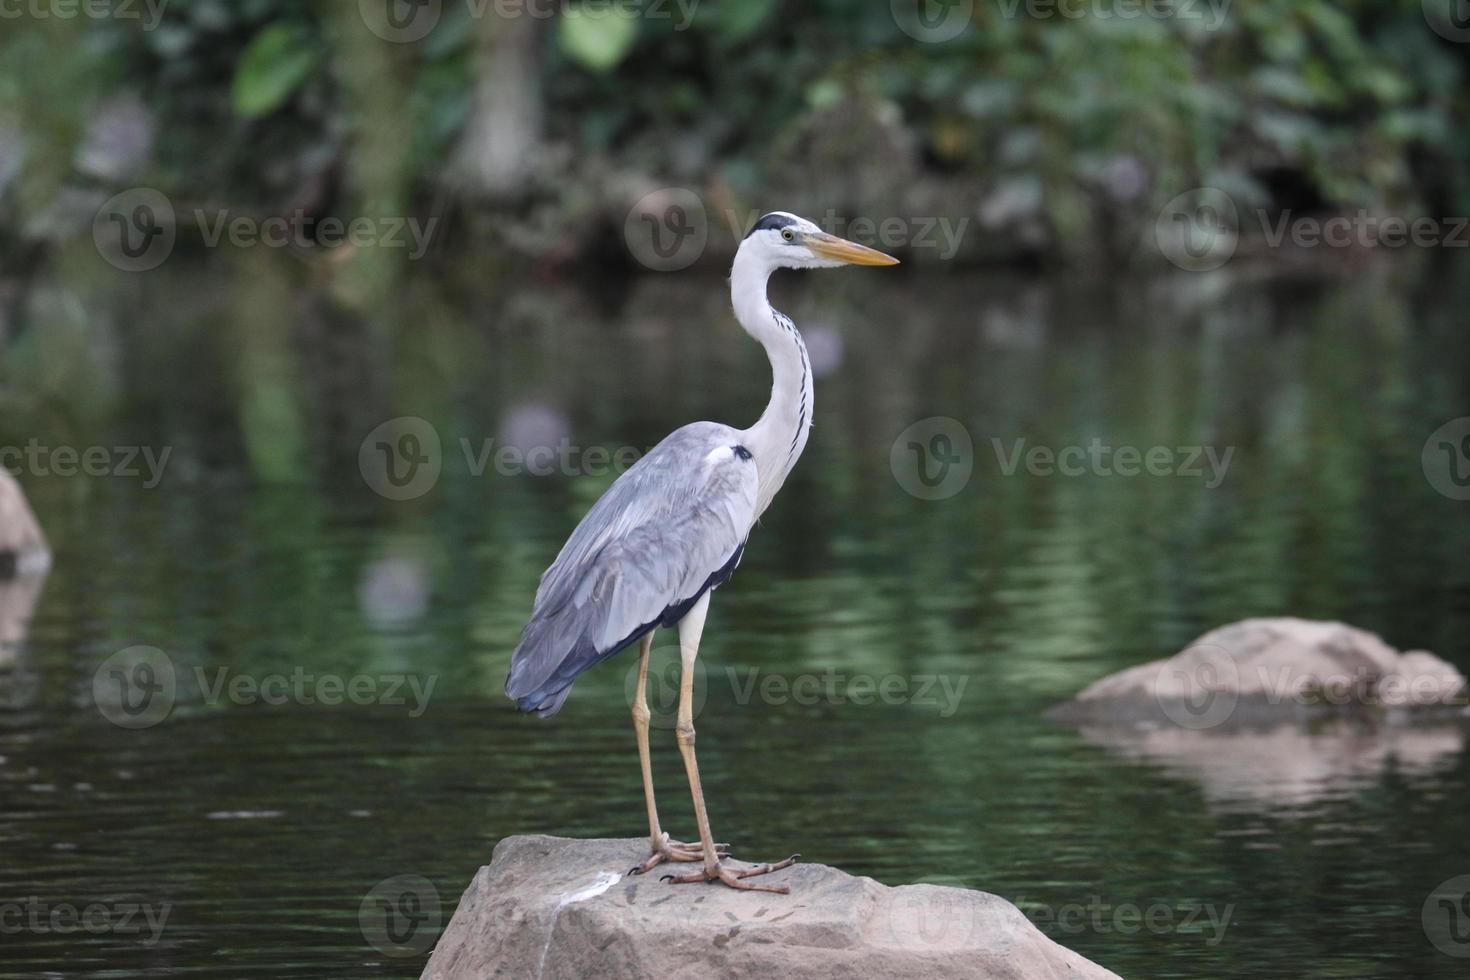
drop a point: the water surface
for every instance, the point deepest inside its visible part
(263, 552)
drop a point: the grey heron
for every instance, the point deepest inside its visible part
(672, 528)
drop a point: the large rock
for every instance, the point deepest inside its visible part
(22, 545)
(557, 908)
(1262, 671)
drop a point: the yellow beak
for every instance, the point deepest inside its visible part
(832, 247)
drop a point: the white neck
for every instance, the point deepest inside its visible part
(777, 439)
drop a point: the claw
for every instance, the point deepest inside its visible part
(673, 850)
(734, 878)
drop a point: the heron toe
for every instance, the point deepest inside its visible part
(734, 877)
(674, 850)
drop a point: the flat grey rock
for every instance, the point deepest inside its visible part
(1264, 671)
(561, 909)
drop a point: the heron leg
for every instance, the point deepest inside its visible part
(690, 629)
(661, 848)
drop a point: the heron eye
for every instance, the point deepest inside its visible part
(788, 234)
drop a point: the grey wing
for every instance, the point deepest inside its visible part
(668, 530)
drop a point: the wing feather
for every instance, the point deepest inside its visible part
(667, 530)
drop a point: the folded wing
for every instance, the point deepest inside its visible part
(668, 530)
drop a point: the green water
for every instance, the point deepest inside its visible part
(262, 552)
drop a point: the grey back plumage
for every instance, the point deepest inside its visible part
(669, 529)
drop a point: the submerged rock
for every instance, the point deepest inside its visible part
(22, 545)
(1264, 671)
(558, 908)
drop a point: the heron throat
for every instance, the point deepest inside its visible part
(778, 437)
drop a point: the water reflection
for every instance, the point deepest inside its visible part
(20, 684)
(1286, 767)
(263, 551)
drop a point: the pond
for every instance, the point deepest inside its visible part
(873, 678)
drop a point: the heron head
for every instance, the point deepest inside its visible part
(786, 241)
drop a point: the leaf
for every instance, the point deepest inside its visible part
(274, 65)
(598, 38)
(738, 21)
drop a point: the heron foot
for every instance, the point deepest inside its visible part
(674, 850)
(734, 877)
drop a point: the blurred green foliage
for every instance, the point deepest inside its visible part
(1063, 119)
